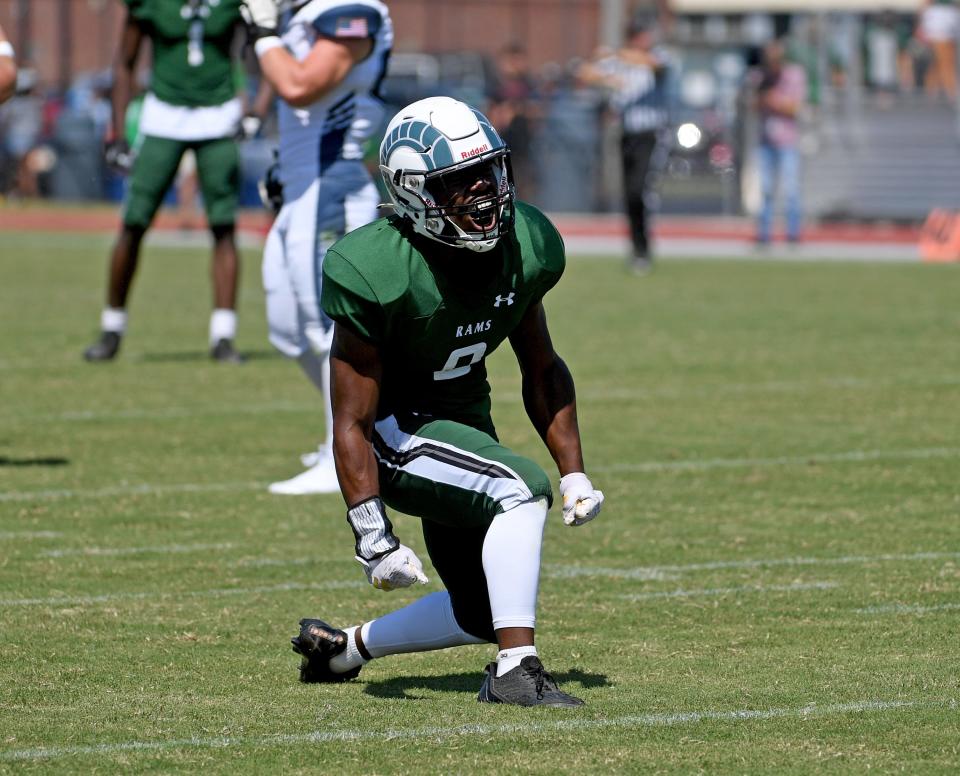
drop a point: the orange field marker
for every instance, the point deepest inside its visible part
(940, 236)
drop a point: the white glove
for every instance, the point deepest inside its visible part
(581, 502)
(400, 568)
(260, 16)
(249, 127)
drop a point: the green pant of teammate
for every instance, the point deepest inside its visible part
(157, 160)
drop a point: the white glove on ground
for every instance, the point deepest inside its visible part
(400, 568)
(581, 502)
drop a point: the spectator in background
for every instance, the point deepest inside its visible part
(908, 52)
(8, 68)
(636, 79)
(883, 44)
(781, 93)
(938, 29)
(513, 111)
(569, 155)
(21, 126)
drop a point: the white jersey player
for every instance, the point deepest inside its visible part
(325, 59)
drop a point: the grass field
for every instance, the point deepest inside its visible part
(774, 583)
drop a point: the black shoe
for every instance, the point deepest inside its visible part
(317, 643)
(225, 352)
(528, 684)
(105, 348)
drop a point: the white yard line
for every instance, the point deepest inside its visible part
(144, 489)
(6, 536)
(161, 413)
(168, 549)
(87, 600)
(908, 609)
(557, 571)
(637, 393)
(715, 591)
(852, 456)
(642, 572)
(666, 573)
(529, 728)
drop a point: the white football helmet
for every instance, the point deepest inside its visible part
(448, 172)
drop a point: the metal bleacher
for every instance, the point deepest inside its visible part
(894, 162)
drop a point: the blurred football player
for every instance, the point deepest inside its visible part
(420, 299)
(325, 59)
(8, 68)
(192, 104)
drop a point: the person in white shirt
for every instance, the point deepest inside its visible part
(938, 28)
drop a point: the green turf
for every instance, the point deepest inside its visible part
(736, 414)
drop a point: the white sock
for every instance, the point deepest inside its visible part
(511, 563)
(508, 659)
(223, 325)
(350, 657)
(113, 319)
(428, 623)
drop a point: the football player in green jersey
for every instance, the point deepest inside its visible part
(419, 300)
(193, 105)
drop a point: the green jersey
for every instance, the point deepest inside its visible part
(191, 48)
(435, 312)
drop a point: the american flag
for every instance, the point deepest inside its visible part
(351, 27)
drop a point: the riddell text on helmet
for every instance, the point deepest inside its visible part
(474, 151)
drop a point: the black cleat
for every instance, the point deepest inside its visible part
(317, 643)
(224, 352)
(105, 348)
(528, 684)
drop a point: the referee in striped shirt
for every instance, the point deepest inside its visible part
(635, 77)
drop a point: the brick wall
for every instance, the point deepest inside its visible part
(71, 36)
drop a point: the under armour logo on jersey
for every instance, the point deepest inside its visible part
(501, 299)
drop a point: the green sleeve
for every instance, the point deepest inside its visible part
(348, 299)
(547, 247)
(555, 259)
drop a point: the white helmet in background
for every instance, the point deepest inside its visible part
(448, 172)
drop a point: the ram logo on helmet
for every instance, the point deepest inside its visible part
(448, 172)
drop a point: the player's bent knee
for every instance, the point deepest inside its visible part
(473, 615)
(534, 484)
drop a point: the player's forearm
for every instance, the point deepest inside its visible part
(550, 401)
(8, 68)
(8, 78)
(356, 463)
(124, 67)
(292, 81)
(120, 95)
